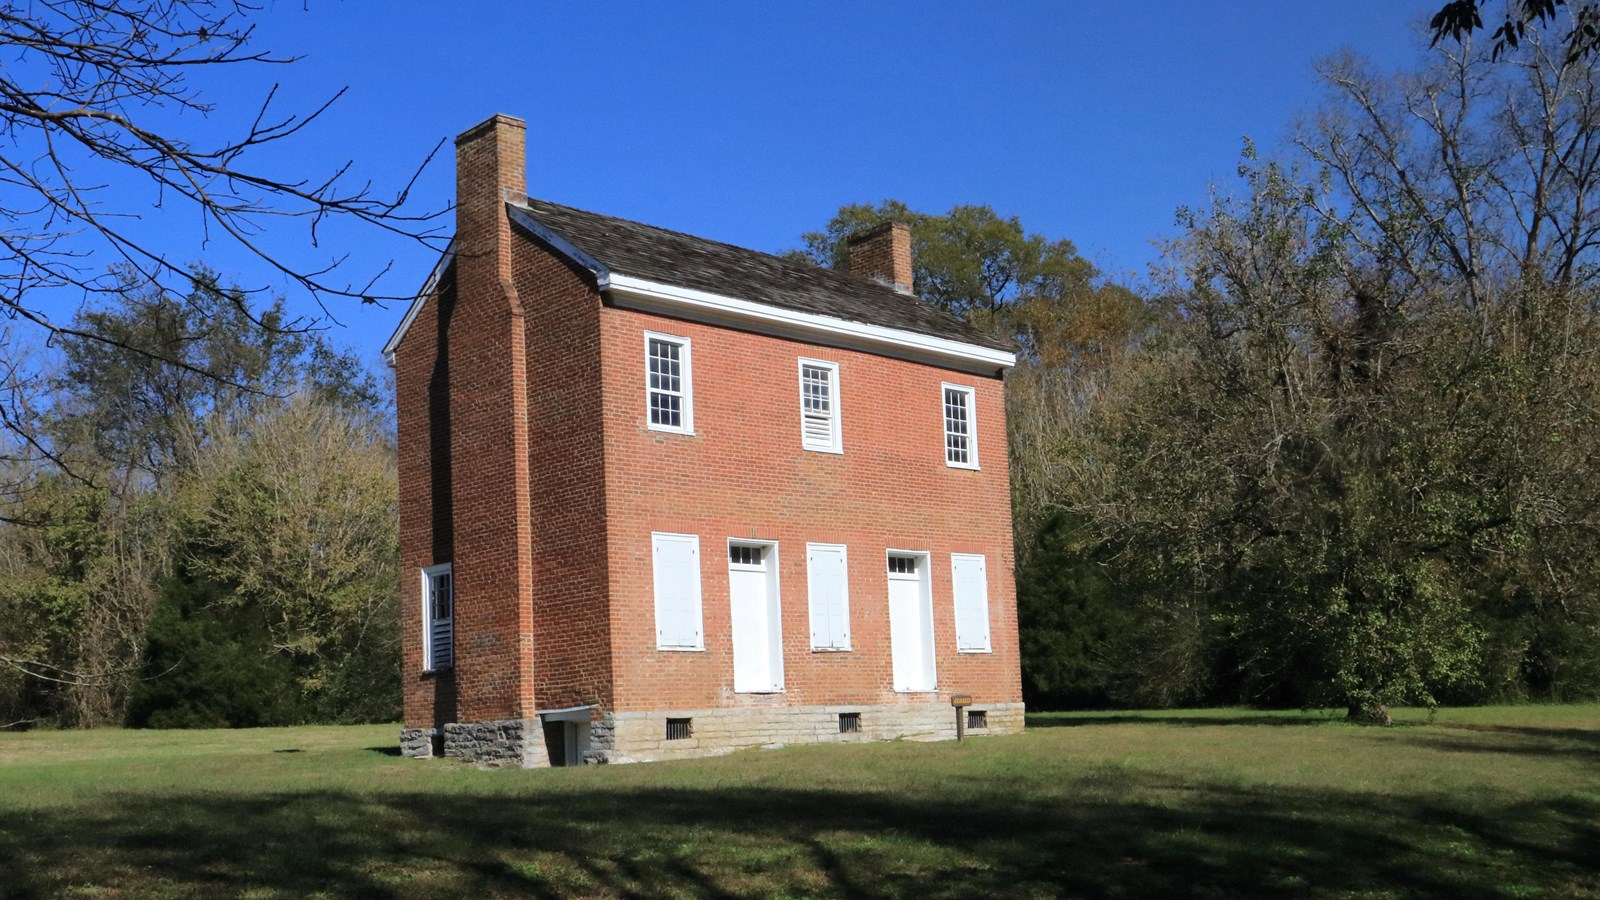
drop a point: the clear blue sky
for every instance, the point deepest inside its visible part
(753, 122)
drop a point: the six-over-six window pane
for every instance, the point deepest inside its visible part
(960, 438)
(669, 386)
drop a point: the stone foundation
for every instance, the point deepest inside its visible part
(642, 736)
(514, 742)
(417, 743)
(627, 737)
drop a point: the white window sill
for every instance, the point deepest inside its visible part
(971, 467)
(680, 649)
(832, 649)
(662, 429)
(763, 693)
(986, 650)
(835, 452)
(932, 690)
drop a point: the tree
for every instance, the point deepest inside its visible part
(100, 103)
(1458, 19)
(144, 437)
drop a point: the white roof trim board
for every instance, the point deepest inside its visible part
(428, 286)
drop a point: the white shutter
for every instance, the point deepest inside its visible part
(828, 587)
(677, 582)
(969, 575)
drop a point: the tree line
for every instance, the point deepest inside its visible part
(202, 531)
(1344, 452)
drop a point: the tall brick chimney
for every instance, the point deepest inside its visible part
(488, 402)
(883, 254)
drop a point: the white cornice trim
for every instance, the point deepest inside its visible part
(416, 305)
(654, 296)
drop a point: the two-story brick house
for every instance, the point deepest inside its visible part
(662, 496)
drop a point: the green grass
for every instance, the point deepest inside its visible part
(1498, 802)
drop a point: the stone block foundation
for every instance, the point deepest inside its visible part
(626, 737)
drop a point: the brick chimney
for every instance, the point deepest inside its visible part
(491, 167)
(488, 409)
(883, 254)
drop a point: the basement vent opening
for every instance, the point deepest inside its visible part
(680, 729)
(977, 718)
(850, 723)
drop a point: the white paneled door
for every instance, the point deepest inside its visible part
(910, 623)
(752, 591)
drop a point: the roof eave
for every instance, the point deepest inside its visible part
(428, 288)
(654, 296)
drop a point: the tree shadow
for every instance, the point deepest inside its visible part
(1109, 835)
(385, 750)
(1049, 721)
(1571, 743)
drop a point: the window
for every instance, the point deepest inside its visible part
(970, 579)
(680, 729)
(670, 385)
(819, 406)
(676, 559)
(850, 723)
(438, 618)
(902, 565)
(828, 586)
(960, 433)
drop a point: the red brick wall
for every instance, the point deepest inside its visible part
(422, 379)
(469, 349)
(743, 474)
(571, 629)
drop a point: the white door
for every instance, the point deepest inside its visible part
(910, 624)
(756, 660)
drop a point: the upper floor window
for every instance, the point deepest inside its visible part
(438, 617)
(819, 406)
(670, 385)
(960, 431)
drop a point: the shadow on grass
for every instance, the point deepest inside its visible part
(386, 751)
(1569, 743)
(1046, 720)
(1108, 834)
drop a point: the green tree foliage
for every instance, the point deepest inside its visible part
(1361, 450)
(219, 486)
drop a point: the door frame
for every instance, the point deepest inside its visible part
(925, 577)
(774, 609)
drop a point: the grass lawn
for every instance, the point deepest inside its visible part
(1497, 802)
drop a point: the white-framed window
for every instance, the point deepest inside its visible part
(819, 406)
(960, 429)
(438, 617)
(669, 383)
(969, 577)
(828, 586)
(676, 562)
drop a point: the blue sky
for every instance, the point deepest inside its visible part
(753, 122)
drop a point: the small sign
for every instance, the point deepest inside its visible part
(960, 700)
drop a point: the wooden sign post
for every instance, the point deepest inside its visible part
(961, 702)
